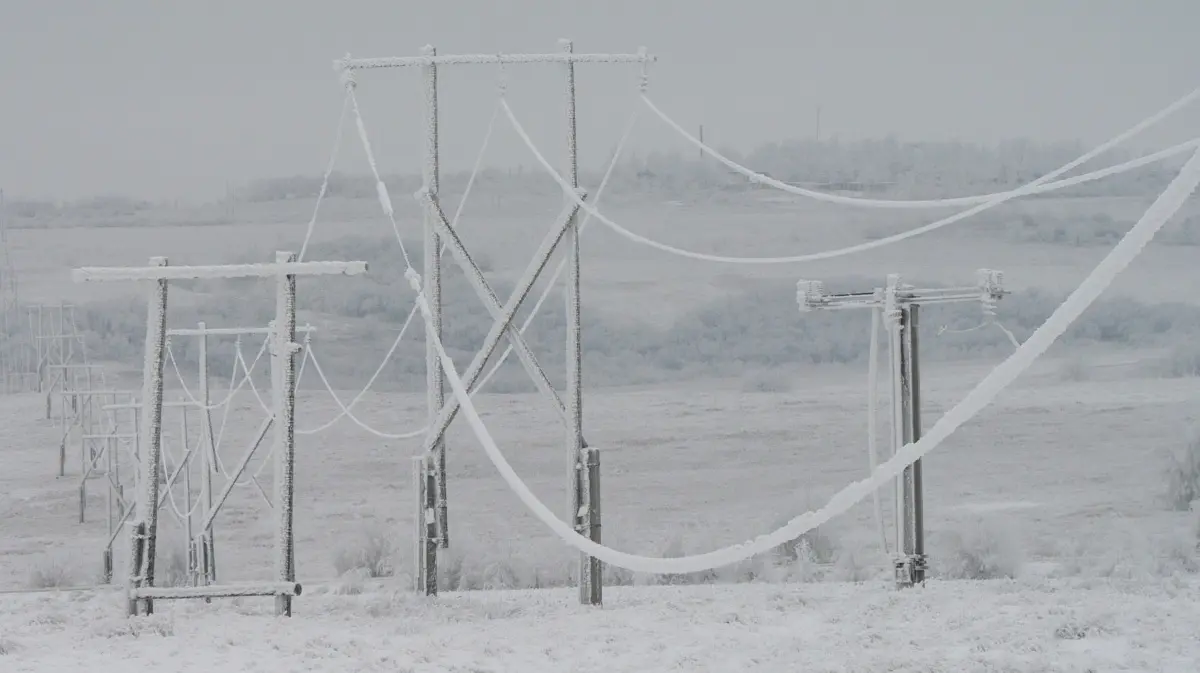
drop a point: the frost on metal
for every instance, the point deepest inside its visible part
(284, 358)
(503, 316)
(144, 532)
(288, 589)
(343, 64)
(91, 274)
(1167, 204)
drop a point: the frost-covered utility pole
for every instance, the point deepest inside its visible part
(143, 537)
(900, 305)
(583, 462)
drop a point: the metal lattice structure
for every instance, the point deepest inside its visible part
(582, 462)
(143, 535)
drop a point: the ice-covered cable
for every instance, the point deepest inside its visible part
(192, 398)
(761, 178)
(839, 252)
(987, 390)
(253, 388)
(562, 263)
(347, 409)
(381, 192)
(333, 155)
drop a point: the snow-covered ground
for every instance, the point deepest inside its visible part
(956, 627)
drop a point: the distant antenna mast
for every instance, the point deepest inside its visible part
(702, 141)
(817, 133)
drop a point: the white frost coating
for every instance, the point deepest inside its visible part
(839, 252)
(562, 263)
(930, 203)
(333, 155)
(385, 201)
(987, 390)
(218, 591)
(231, 331)
(192, 400)
(872, 448)
(346, 409)
(381, 188)
(89, 274)
(484, 59)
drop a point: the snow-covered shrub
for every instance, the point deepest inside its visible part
(371, 552)
(50, 573)
(982, 549)
(1182, 473)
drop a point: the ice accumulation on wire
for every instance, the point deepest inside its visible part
(1030, 189)
(761, 178)
(346, 410)
(1165, 206)
(987, 390)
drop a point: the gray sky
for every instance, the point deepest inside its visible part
(172, 99)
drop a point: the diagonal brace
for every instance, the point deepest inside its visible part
(503, 316)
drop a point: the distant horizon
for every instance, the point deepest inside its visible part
(170, 101)
(686, 155)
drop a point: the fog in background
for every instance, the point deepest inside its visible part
(166, 100)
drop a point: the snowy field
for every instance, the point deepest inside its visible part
(1105, 574)
(1059, 484)
(1061, 626)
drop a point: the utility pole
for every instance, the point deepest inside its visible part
(900, 305)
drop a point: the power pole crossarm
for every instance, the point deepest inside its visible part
(899, 305)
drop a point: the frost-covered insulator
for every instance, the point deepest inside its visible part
(810, 294)
(891, 305)
(644, 84)
(346, 73)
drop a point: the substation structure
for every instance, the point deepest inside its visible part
(582, 461)
(284, 349)
(202, 503)
(898, 306)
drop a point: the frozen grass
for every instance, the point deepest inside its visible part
(980, 549)
(51, 572)
(1182, 473)
(370, 552)
(1022, 626)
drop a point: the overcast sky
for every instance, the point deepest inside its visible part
(175, 99)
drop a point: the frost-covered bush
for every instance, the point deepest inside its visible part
(1182, 473)
(50, 573)
(754, 334)
(371, 552)
(981, 549)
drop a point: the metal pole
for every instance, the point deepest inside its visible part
(590, 574)
(906, 477)
(425, 528)
(434, 376)
(893, 317)
(190, 546)
(143, 537)
(284, 356)
(914, 393)
(208, 462)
